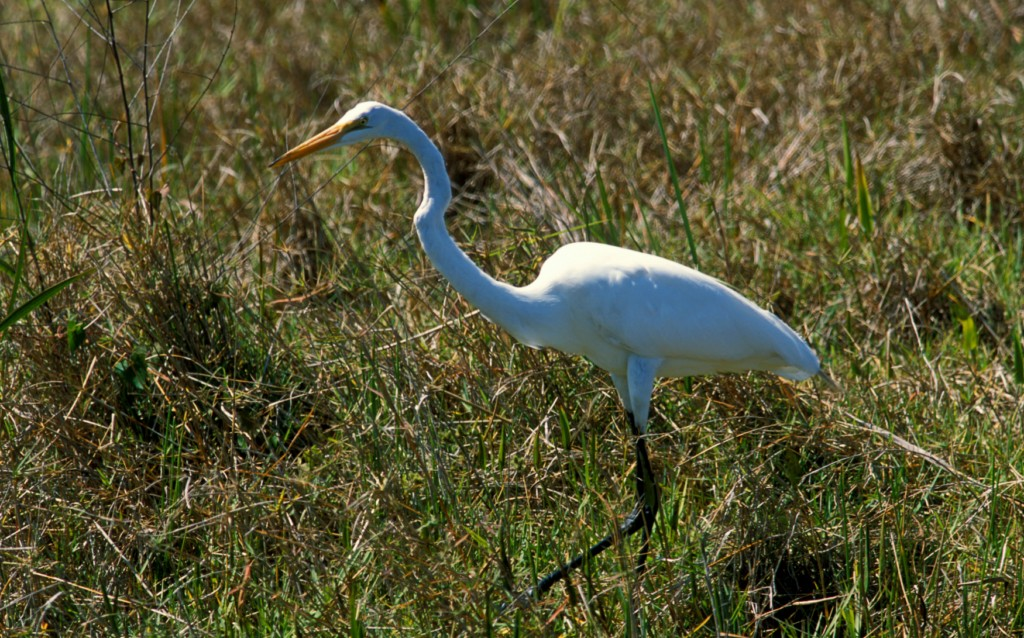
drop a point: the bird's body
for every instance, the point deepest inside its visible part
(608, 303)
(635, 315)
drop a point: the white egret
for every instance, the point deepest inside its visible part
(636, 315)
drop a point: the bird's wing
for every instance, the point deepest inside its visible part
(653, 307)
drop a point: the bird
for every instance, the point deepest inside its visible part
(638, 316)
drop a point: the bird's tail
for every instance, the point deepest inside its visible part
(832, 385)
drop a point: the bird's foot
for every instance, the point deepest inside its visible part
(641, 518)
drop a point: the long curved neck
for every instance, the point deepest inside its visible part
(498, 301)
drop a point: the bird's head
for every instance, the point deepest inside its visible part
(363, 122)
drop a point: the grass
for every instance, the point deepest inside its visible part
(243, 403)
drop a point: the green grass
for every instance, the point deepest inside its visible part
(243, 403)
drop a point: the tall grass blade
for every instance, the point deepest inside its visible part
(24, 309)
(705, 160)
(841, 218)
(969, 335)
(18, 270)
(5, 113)
(729, 169)
(847, 157)
(675, 178)
(1018, 357)
(865, 211)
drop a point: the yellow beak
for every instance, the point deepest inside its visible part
(318, 142)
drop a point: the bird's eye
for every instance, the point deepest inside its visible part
(364, 122)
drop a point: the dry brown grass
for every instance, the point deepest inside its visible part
(273, 418)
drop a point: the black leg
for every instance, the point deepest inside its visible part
(648, 494)
(641, 518)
